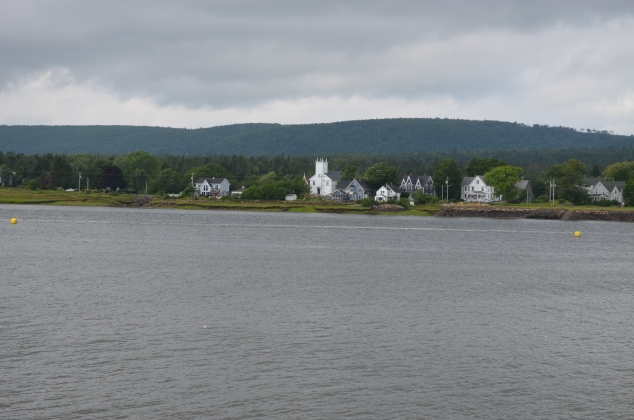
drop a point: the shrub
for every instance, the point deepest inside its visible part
(404, 202)
(422, 198)
(367, 202)
(603, 203)
(187, 191)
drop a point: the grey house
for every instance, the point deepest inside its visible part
(524, 191)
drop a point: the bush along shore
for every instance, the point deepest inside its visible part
(535, 213)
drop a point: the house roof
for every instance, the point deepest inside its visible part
(344, 183)
(334, 175)
(467, 180)
(339, 192)
(423, 178)
(610, 185)
(366, 185)
(591, 180)
(210, 180)
(522, 184)
(393, 187)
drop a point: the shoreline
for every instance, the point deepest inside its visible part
(537, 213)
(522, 211)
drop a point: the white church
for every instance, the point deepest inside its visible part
(324, 182)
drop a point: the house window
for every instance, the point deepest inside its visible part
(477, 182)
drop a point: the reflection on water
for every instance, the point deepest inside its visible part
(311, 316)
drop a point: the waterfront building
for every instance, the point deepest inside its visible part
(412, 183)
(386, 192)
(212, 187)
(524, 191)
(474, 189)
(324, 182)
(354, 190)
(608, 190)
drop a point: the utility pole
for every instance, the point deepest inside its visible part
(87, 182)
(552, 192)
(447, 182)
(79, 186)
(192, 179)
(442, 192)
(146, 187)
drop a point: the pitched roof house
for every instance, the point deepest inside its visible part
(354, 190)
(386, 192)
(411, 183)
(608, 190)
(524, 190)
(474, 189)
(212, 187)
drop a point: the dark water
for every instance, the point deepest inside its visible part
(312, 316)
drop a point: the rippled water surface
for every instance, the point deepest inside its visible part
(312, 316)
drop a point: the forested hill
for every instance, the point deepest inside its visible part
(391, 136)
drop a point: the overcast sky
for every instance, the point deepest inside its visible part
(208, 63)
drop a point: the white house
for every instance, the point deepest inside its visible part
(412, 183)
(386, 192)
(291, 197)
(324, 182)
(474, 189)
(212, 187)
(604, 190)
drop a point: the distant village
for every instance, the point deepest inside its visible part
(329, 185)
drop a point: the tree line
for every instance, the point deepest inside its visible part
(273, 176)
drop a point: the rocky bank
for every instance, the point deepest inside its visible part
(536, 213)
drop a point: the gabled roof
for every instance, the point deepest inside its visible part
(591, 180)
(610, 185)
(334, 175)
(339, 192)
(344, 183)
(413, 178)
(423, 178)
(366, 185)
(522, 184)
(210, 180)
(469, 179)
(392, 187)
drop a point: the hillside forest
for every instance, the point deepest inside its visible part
(380, 136)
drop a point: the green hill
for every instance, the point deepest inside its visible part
(390, 136)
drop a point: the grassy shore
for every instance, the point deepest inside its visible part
(61, 198)
(98, 198)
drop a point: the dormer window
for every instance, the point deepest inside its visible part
(477, 182)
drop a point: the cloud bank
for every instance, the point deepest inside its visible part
(200, 64)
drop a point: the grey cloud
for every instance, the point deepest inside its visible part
(232, 53)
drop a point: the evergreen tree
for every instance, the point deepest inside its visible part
(447, 169)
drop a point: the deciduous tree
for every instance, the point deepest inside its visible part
(503, 180)
(381, 174)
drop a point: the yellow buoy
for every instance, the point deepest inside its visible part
(577, 234)
(204, 326)
(14, 221)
